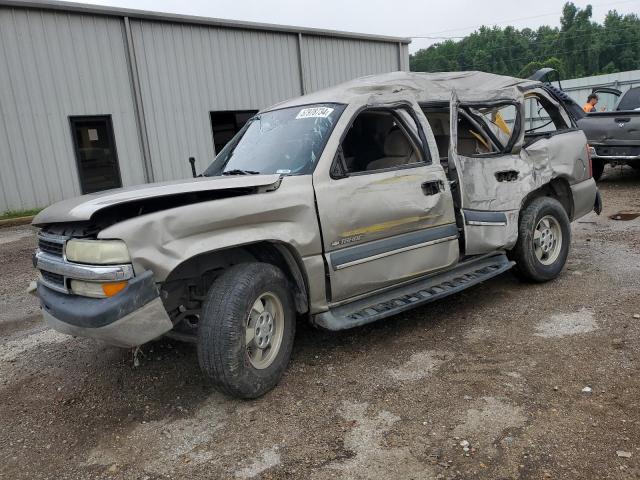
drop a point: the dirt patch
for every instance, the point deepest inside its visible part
(419, 366)
(484, 424)
(17, 245)
(267, 459)
(15, 235)
(160, 446)
(563, 324)
(13, 349)
(477, 334)
(372, 458)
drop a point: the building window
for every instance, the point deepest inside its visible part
(225, 124)
(96, 154)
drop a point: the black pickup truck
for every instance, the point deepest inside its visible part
(614, 136)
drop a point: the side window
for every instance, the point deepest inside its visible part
(486, 130)
(378, 140)
(607, 101)
(542, 116)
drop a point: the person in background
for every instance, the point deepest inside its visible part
(590, 106)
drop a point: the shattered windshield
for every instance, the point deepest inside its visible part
(287, 141)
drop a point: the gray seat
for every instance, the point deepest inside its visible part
(397, 150)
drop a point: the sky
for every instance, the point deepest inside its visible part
(402, 18)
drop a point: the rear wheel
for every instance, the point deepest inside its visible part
(597, 166)
(246, 330)
(544, 235)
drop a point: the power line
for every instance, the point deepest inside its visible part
(558, 30)
(442, 38)
(429, 35)
(594, 34)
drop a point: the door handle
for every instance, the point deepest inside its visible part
(507, 176)
(432, 187)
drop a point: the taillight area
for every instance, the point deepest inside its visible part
(589, 153)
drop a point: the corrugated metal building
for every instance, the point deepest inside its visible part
(94, 97)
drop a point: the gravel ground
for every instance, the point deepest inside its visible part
(501, 366)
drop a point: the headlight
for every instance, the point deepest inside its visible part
(97, 252)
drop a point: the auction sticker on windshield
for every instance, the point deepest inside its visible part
(315, 112)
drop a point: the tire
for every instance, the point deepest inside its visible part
(597, 167)
(226, 355)
(540, 252)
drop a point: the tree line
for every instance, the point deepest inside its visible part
(580, 47)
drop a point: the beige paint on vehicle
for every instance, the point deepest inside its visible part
(317, 218)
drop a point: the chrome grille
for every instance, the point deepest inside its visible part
(51, 244)
(51, 248)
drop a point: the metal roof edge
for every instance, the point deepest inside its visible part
(192, 19)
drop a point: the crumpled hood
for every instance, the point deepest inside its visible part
(83, 207)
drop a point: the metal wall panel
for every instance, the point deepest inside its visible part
(328, 61)
(404, 57)
(187, 71)
(53, 65)
(60, 62)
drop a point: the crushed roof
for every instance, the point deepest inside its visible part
(423, 87)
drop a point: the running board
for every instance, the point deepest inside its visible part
(370, 309)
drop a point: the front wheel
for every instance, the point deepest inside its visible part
(246, 330)
(544, 235)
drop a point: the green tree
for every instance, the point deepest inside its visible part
(579, 47)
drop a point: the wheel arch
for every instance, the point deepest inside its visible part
(558, 188)
(212, 263)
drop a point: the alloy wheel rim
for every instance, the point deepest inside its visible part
(264, 329)
(547, 240)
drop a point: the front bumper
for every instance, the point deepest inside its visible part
(134, 316)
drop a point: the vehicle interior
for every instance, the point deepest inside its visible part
(473, 140)
(486, 131)
(378, 140)
(541, 117)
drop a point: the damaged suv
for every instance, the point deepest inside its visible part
(341, 207)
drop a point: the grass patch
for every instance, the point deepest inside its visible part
(19, 213)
